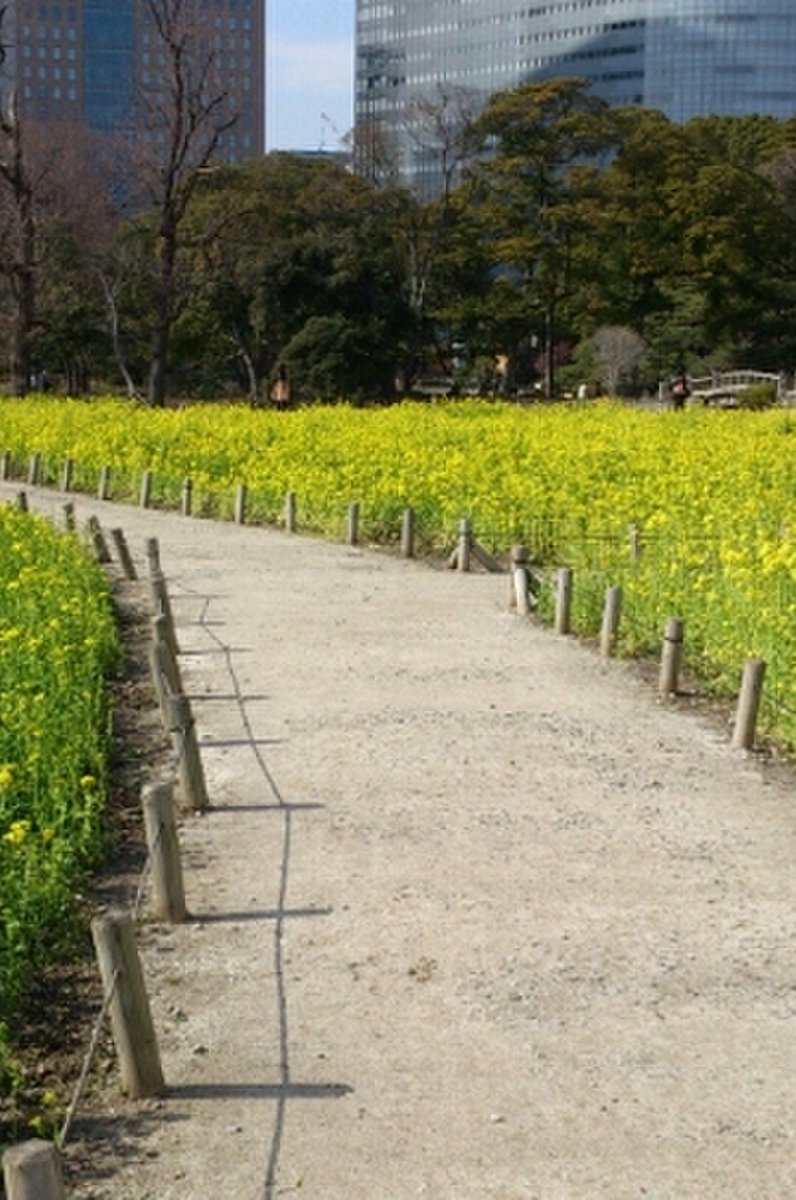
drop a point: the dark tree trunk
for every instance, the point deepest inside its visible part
(22, 268)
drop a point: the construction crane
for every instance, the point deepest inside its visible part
(328, 123)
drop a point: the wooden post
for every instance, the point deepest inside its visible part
(165, 674)
(671, 657)
(563, 600)
(67, 474)
(32, 1171)
(131, 1019)
(408, 534)
(240, 504)
(186, 497)
(103, 488)
(522, 587)
(169, 664)
(123, 552)
(610, 626)
(22, 501)
(161, 606)
(164, 853)
(158, 675)
(634, 538)
(146, 489)
(290, 512)
(153, 555)
(5, 465)
(192, 778)
(519, 561)
(463, 551)
(352, 533)
(748, 704)
(69, 517)
(34, 470)
(97, 539)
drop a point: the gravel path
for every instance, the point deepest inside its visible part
(474, 917)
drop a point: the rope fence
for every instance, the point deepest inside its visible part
(34, 1167)
(598, 561)
(536, 591)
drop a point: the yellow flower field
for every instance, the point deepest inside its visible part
(57, 644)
(712, 494)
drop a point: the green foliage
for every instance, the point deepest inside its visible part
(578, 216)
(11, 1074)
(334, 357)
(534, 194)
(758, 396)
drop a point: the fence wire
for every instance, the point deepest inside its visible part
(173, 768)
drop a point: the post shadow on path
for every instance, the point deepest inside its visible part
(285, 1089)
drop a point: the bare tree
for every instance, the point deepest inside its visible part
(437, 126)
(17, 221)
(618, 350)
(185, 116)
(374, 152)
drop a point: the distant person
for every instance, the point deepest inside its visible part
(680, 390)
(280, 392)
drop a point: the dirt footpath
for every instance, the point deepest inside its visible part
(473, 916)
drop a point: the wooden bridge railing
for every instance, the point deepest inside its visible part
(728, 384)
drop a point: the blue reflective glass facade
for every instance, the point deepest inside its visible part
(684, 57)
(108, 64)
(90, 63)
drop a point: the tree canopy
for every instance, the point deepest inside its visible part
(558, 217)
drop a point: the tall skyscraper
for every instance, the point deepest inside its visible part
(93, 63)
(684, 57)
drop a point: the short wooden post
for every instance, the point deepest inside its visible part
(158, 676)
(131, 1019)
(408, 534)
(186, 497)
(161, 606)
(634, 539)
(610, 625)
(671, 657)
(290, 512)
(192, 778)
(519, 562)
(97, 539)
(164, 672)
(152, 555)
(123, 553)
(563, 612)
(69, 517)
(67, 475)
(463, 551)
(240, 504)
(34, 469)
(22, 501)
(32, 1171)
(145, 494)
(5, 465)
(103, 488)
(748, 704)
(522, 587)
(352, 533)
(164, 853)
(169, 664)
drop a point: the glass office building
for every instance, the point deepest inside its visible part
(684, 57)
(108, 56)
(90, 62)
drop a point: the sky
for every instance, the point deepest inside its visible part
(309, 73)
